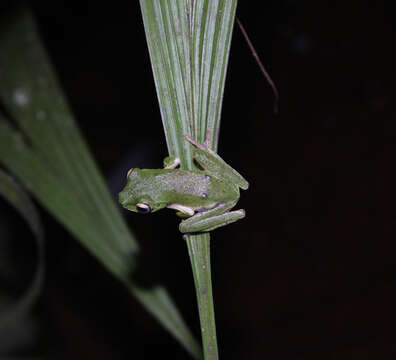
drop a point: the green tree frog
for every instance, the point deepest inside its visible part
(203, 197)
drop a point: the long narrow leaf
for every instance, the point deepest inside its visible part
(31, 94)
(56, 166)
(57, 197)
(189, 43)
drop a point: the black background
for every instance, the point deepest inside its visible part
(309, 273)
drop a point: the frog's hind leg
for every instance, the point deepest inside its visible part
(213, 163)
(212, 219)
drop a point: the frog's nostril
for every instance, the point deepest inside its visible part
(122, 198)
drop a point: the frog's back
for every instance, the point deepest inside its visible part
(180, 181)
(191, 188)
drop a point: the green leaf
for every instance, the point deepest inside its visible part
(15, 195)
(47, 153)
(189, 43)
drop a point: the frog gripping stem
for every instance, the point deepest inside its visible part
(212, 219)
(209, 160)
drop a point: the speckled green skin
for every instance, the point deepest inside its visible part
(206, 196)
(161, 187)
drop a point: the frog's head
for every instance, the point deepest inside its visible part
(139, 194)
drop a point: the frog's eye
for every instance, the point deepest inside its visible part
(129, 172)
(143, 208)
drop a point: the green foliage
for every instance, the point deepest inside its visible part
(189, 43)
(44, 149)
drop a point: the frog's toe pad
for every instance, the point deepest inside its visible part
(171, 162)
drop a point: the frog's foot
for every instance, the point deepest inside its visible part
(171, 162)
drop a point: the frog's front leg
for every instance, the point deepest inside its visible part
(212, 219)
(171, 162)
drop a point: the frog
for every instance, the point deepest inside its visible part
(202, 197)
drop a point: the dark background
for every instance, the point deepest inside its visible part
(309, 273)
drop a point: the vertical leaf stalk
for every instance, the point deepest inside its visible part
(199, 251)
(189, 42)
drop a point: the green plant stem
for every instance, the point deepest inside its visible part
(199, 251)
(189, 43)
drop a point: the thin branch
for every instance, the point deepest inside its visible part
(260, 64)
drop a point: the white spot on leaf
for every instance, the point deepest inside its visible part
(21, 97)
